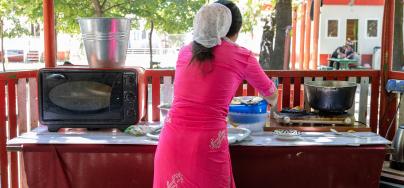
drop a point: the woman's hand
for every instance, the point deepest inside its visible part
(272, 99)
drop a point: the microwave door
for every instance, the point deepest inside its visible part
(81, 96)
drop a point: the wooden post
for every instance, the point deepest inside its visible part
(316, 20)
(294, 22)
(302, 30)
(388, 101)
(49, 33)
(307, 37)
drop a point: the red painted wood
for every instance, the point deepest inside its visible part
(366, 59)
(286, 92)
(374, 103)
(356, 2)
(302, 34)
(330, 78)
(239, 91)
(12, 122)
(155, 98)
(324, 59)
(396, 75)
(33, 102)
(113, 166)
(159, 72)
(369, 2)
(388, 101)
(250, 90)
(3, 137)
(341, 78)
(316, 73)
(294, 23)
(288, 73)
(22, 105)
(18, 75)
(296, 91)
(49, 33)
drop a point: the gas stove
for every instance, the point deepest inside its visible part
(299, 117)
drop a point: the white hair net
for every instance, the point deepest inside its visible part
(211, 23)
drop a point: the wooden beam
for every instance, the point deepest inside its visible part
(316, 27)
(49, 33)
(294, 23)
(388, 101)
(302, 31)
(307, 37)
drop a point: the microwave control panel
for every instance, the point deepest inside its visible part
(130, 93)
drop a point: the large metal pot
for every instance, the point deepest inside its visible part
(105, 41)
(330, 96)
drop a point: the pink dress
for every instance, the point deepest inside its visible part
(193, 150)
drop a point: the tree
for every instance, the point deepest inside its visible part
(10, 25)
(171, 16)
(283, 20)
(398, 58)
(267, 45)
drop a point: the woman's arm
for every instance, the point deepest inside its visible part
(260, 81)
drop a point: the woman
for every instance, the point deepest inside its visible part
(193, 149)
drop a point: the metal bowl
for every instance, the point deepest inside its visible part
(105, 41)
(330, 96)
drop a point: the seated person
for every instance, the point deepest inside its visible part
(351, 54)
(338, 53)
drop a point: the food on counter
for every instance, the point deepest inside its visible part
(246, 100)
(141, 130)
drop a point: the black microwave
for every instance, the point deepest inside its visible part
(90, 98)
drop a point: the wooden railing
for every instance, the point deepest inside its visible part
(19, 114)
(292, 81)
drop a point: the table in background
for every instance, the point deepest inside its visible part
(343, 63)
(114, 159)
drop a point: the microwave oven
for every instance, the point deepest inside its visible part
(91, 98)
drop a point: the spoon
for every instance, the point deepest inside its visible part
(345, 134)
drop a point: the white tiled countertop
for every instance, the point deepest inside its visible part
(42, 136)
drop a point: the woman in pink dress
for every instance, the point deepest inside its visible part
(193, 150)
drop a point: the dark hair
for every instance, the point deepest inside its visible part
(202, 53)
(236, 18)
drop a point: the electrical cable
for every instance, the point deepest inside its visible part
(394, 117)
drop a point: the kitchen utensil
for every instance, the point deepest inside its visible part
(330, 96)
(345, 134)
(397, 156)
(287, 134)
(105, 41)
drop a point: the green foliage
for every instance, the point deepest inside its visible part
(10, 24)
(251, 14)
(171, 16)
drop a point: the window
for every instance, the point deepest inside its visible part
(372, 28)
(332, 30)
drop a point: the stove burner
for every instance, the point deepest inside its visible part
(295, 116)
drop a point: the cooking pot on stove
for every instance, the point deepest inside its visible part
(330, 96)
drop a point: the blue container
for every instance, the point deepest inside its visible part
(247, 118)
(395, 86)
(259, 108)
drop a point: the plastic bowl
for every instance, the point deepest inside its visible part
(253, 122)
(260, 107)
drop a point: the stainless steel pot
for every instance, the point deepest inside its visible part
(330, 96)
(397, 157)
(105, 41)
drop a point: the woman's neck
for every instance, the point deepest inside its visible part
(233, 38)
